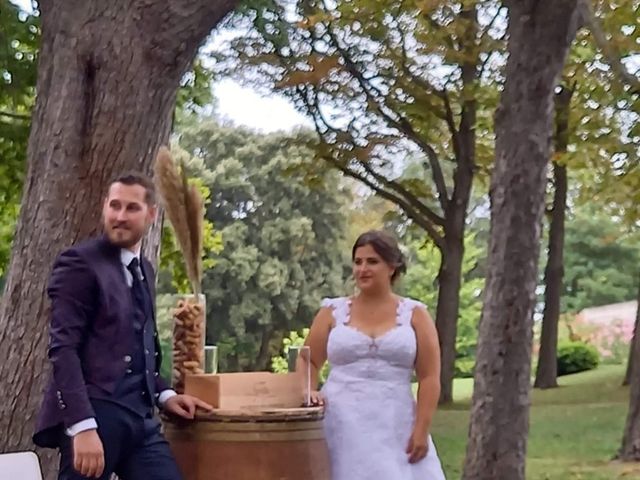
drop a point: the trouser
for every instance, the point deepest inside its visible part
(134, 447)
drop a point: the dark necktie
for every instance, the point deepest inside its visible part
(138, 289)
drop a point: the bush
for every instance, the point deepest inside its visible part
(574, 357)
(464, 367)
(280, 364)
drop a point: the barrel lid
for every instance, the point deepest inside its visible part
(257, 415)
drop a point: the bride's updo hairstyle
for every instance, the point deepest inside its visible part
(384, 245)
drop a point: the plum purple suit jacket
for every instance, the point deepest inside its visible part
(91, 334)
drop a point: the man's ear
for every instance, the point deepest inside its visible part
(153, 213)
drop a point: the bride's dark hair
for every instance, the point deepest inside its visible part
(384, 245)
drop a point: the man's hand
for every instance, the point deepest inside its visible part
(88, 454)
(185, 406)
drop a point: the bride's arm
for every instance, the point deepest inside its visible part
(317, 342)
(427, 369)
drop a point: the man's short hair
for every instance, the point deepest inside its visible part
(137, 178)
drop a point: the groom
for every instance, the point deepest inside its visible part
(98, 408)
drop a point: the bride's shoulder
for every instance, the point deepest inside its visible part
(412, 303)
(333, 302)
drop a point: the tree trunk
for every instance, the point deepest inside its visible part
(540, 33)
(630, 449)
(450, 272)
(263, 361)
(449, 280)
(547, 371)
(633, 357)
(107, 80)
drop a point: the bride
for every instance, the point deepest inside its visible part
(374, 341)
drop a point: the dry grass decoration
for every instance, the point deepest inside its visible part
(184, 207)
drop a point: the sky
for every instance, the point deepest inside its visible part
(242, 105)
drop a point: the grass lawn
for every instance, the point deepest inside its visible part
(575, 429)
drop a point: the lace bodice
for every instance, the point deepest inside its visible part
(396, 348)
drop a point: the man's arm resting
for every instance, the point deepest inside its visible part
(165, 395)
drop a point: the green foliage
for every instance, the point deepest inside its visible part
(575, 357)
(280, 363)
(401, 85)
(281, 239)
(420, 283)
(195, 92)
(464, 367)
(19, 37)
(601, 261)
(164, 320)
(604, 143)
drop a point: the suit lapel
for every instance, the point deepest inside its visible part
(150, 282)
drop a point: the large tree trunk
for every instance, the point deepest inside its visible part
(630, 449)
(634, 358)
(107, 80)
(547, 371)
(540, 33)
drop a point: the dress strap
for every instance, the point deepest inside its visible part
(405, 310)
(340, 307)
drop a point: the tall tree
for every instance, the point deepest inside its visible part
(415, 80)
(540, 33)
(547, 371)
(593, 111)
(283, 239)
(630, 448)
(632, 361)
(615, 184)
(108, 73)
(419, 283)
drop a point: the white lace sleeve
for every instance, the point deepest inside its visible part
(405, 313)
(340, 307)
(328, 303)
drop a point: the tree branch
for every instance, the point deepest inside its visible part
(590, 19)
(313, 109)
(450, 120)
(484, 33)
(400, 123)
(186, 23)
(420, 82)
(17, 116)
(429, 227)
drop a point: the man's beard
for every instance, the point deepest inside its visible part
(124, 238)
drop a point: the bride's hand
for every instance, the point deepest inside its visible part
(418, 447)
(317, 400)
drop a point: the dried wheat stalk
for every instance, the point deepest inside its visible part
(184, 208)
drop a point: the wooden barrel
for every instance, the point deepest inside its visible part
(282, 444)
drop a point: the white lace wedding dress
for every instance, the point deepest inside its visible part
(370, 407)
